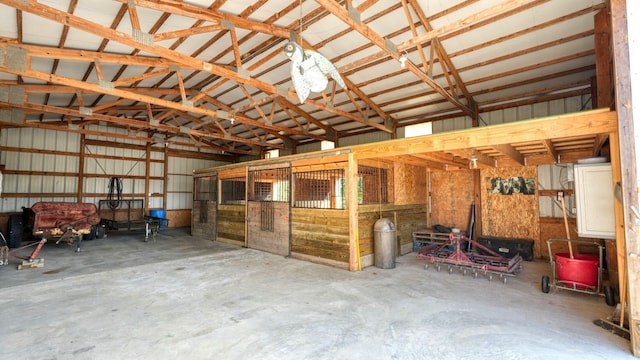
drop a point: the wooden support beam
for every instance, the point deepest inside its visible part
(510, 152)
(379, 41)
(119, 120)
(141, 77)
(553, 153)
(179, 7)
(602, 46)
(352, 207)
(81, 158)
(464, 23)
(187, 32)
(628, 169)
(418, 160)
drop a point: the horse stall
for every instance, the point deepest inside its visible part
(205, 206)
(298, 206)
(268, 208)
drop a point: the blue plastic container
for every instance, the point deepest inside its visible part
(159, 214)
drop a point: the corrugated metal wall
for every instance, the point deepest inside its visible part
(555, 177)
(101, 163)
(525, 112)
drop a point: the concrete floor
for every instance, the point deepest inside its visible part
(186, 297)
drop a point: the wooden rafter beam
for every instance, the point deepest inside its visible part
(342, 14)
(599, 142)
(310, 119)
(186, 32)
(551, 150)
(422, 162)
(123, 121)
(467, 22)
(179, 7)
(511, 153)
(482, 160)
(442, 54)
(448, 161)
(53, 14)
(170, 55)
(143, 98)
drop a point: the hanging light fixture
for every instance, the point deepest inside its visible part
(403, 60)
(474, 162)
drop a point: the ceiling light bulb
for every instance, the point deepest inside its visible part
(403, 60)
(474, 161)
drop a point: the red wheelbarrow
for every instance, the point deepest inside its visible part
(577, 272)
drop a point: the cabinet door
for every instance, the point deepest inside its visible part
(594, 201)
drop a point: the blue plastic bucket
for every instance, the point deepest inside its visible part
(159, 214)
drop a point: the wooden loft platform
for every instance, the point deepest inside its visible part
(563, 138)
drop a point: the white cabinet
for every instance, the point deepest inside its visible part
(594, 201)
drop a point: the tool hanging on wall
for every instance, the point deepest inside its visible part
(115, 192)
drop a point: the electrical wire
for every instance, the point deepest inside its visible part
(115, 192)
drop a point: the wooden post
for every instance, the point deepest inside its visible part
(629, 173)
(618, 209)
(81, 156)
(352, 207)
(147, 172)
(165, 182)
(602, 41)
(477, 184)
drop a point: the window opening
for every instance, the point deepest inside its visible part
(322, 189)
(233, 191)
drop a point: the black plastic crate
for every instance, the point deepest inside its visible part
(508, 247)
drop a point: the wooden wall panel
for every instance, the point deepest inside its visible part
(203, 223)
(406, 219)
(320, 233)
(514, 215)
(231, 222)
(179, 218)
(410, 183)
(451, 198)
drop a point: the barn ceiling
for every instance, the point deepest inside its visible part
(212, 75)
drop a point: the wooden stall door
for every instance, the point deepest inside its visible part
(205, 205)
(269, 210)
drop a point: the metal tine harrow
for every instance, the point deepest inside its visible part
(452, 254)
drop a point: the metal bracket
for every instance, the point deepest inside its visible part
(106, 85)
(390, 45)
(354, 14)
(244, 73)
(142, 37)
(226, 24)
(222, 114)
(282, 90)
(636, 214)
